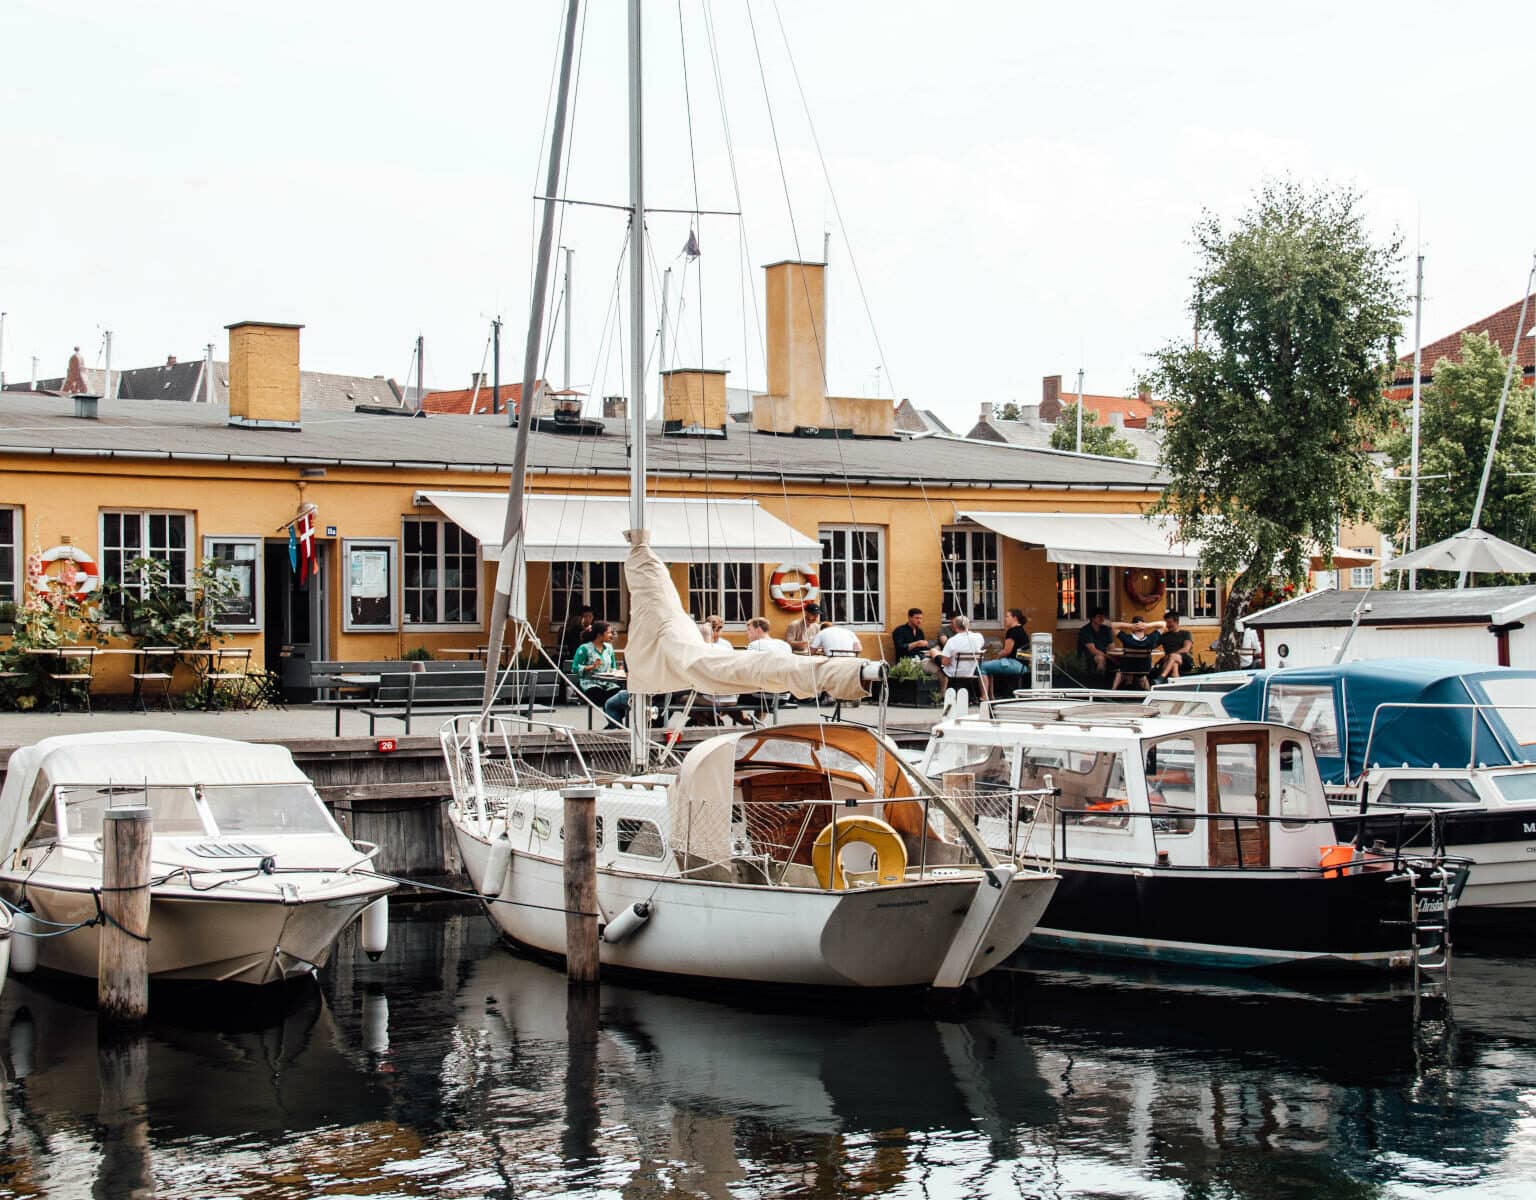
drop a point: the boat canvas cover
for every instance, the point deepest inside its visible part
(131, 757)
(665, 652)
(1416, 737)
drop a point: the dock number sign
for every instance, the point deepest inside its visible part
(386, 745)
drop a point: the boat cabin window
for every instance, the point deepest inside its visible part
(1292, 783)
(1310, 708)
(1428, 791)
(1170, 767)
(265, 808)
(1092, 784)
(640, 838)
(1512, 697)
(172, 809)
(992, 765)
(1517, 789)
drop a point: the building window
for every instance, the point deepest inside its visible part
(10, 555)
(728, 589)
(1362, 577)
(1081, 591)
(851, 571)
(1192, 595)
(162, 536)
(574, 584)
(442, 573)
(370, 585)
(237, 560)
(970, 574)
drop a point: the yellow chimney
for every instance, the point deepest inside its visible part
(693, 400)
(264, 375)
(797, 350)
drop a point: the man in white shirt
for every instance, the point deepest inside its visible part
(836, 639)
(761, 640)
(964, 640)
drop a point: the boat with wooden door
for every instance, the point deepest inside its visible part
(1189, 840)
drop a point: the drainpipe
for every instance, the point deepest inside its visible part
(1501, 639)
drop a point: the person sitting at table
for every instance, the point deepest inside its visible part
(1138, 640)
(760, 638)
(806, 626)
(909, 641)
(1094, 640)
(1012, 660)
(1178, 648)
(963, 640)
(595, 658)
(835, 640)
(577, 630)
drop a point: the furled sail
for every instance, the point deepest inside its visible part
(665, 652)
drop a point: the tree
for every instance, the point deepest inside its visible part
(1268, 414)
(1097, 439)
(1009, 412)
(1455, 425)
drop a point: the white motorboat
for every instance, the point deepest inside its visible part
(251, 879)
(1206, 842)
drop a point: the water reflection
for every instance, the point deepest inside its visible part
(453, 1068)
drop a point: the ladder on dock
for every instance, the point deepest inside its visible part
(1432, 886)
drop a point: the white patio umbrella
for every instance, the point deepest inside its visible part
(1474, 551)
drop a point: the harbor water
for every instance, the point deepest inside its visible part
(453, 1068)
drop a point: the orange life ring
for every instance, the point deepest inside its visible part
(86, 576)
(792, 596)
(1145, 586)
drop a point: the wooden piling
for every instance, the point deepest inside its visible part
(581, 885)
(122, 964)
(960, 786)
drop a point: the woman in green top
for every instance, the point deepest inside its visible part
(592, 659)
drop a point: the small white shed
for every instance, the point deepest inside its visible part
(1494, 625)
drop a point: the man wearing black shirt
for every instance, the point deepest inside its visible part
(909, 639)
(1178, 648)
(1094, 639)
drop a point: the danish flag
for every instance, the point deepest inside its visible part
(305, 526)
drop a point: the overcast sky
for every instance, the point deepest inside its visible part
(1016, 181)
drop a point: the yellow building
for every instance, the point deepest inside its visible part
(892, 515)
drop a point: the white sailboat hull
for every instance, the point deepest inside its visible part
(892, 936)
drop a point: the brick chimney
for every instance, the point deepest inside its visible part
(693, 401)
(797, 348)
(170, 360)
(986, 410)
(264, 375)
(615, 408)
(476, 380)
(1050, 398)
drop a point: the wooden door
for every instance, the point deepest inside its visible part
(1237, 785)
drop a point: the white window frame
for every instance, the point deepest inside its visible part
(1362, 577)
(1179, 596)
(442, 549)
(558, 618)
(348, 625)
(17, 581)
(143, 515)
(948, 584)
(258, 582)
(829, 597)
(716, 593)
(1084, 606)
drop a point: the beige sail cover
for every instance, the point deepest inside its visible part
(666, 653)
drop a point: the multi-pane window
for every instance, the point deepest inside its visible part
(726, 589)
(970, 574)
(1362, 577)
(10, 555)
(1192, 594)
(164, 536)
(573, 584)
(441, 570)
(851, 572)
(1081, 591)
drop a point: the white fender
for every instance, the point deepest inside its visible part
(376, 928)
(627, 922)
(23, 944)
(496, 864)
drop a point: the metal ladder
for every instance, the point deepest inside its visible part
(1430, 927)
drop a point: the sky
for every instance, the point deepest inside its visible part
(1009, 188)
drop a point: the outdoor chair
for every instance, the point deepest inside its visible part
(153, 665)
(76, 664)
(230, 665)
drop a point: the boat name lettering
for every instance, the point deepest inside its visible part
(903, 904)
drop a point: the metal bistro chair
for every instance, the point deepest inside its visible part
(230, 665)
(153, 664)
(837, 705)
(971, 684)
(76, 664)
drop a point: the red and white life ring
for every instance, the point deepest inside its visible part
(793, 595)
(82, 566)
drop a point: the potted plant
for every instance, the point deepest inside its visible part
(910, 685)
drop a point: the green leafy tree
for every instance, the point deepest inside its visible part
(1009, 412)
(1455, 426)
(1269, 413)
(1097, 439)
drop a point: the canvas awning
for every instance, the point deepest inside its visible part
(1096, 539)
(563, 528)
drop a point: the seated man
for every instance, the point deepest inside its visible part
(1250, 651)
(1012, 661)
(1178, 648)
(836, 640)
(1139, 640)
(761, 639)
(1094, 640)
(956, 658)
(910, 641)
(803, 628)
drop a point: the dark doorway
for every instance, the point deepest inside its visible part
(294, 616)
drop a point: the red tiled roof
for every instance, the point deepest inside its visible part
(1134, 409)
(1499, 326)
(457, 403)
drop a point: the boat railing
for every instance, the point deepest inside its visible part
(1483, 719)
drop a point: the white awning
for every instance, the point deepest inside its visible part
(591, 528)
(1096, 539)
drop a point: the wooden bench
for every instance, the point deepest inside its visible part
(399, 690)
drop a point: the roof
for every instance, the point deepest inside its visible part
(1448, 606)
(1036, 434)
(1132, 408)
(457, 403)
(911, 419)
(183, 382)
(1500, 328)
(150, 429)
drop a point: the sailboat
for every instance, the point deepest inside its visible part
(804, 854)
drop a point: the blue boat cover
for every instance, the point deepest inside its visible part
(1337, 704)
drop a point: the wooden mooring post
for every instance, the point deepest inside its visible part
(122, 964)
(581, 884)
(960, 786)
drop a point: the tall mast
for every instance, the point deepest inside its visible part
(508, 568)
(661, 343)
(106, 391)
(421, 370)
(1413, 485)
(636, 278)
(1079, 410)
(568, 253)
